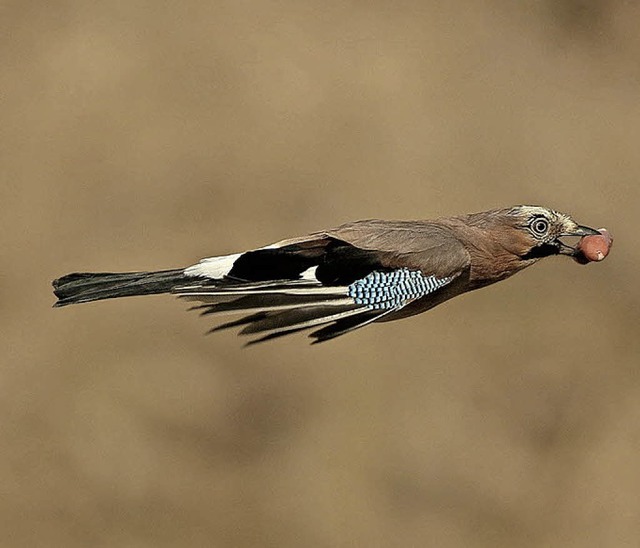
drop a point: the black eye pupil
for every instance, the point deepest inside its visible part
(540, 226)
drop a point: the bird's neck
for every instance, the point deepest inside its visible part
(492, 259)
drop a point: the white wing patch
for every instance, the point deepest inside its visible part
(217, 268)
(309, 274)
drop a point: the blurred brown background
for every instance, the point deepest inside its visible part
(140, 135)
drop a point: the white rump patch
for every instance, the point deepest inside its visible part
(213, 267)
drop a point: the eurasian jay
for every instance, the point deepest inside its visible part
(342, 279)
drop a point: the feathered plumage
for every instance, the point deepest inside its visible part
(339, 280)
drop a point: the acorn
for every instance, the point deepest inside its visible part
(594, 248)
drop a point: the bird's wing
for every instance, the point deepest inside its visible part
(429, 246)
(338, 280)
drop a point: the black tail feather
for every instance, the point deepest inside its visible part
(82, 287)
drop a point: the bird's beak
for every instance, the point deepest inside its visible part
(577, 230)
(580, 230)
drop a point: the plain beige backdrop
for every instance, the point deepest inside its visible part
(146, 135)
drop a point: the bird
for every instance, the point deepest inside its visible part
(338, 280)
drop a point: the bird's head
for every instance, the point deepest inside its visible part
(534, 232)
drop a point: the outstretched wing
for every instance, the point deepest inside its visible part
(283, 307)
(326, 281)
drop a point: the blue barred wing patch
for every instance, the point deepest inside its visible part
(388, 290)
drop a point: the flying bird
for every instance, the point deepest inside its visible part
(335, 281)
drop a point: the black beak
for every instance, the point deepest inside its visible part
(579, 230)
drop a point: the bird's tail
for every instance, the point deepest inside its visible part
(83, 287)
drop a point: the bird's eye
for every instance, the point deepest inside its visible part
(540, 226)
